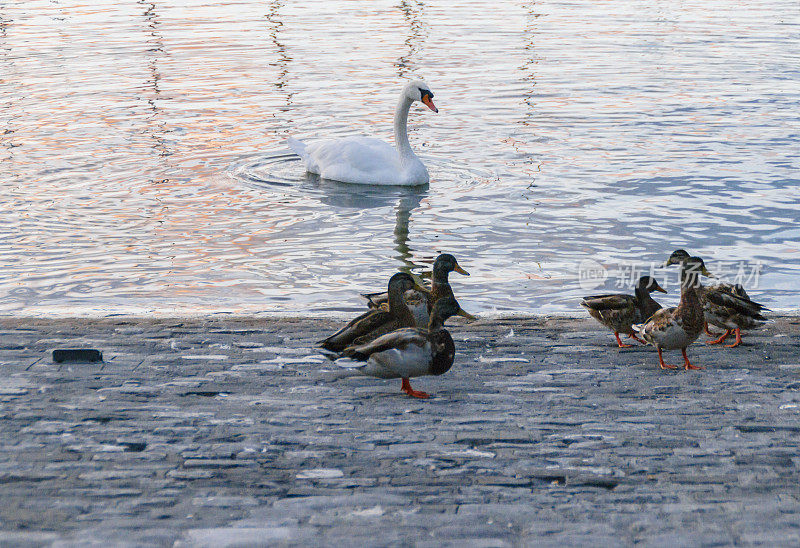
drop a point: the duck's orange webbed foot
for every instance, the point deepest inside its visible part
(413, 393)
(721, 338)
(634, 337)
(662, 364)
(686, 365)
(620, 343)
(708, 331)
(738, 339)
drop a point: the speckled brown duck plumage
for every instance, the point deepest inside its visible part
(726, 306)
(379, 321)
(619, 311)
(678, 327)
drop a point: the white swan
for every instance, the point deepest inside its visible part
(367, 161)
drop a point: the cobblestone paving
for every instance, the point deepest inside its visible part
(234, 432)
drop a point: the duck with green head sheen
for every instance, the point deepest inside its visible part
(421, 302)
(409, 352)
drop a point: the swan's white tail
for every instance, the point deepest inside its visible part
(299, 147)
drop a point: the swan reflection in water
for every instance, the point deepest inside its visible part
(352, 196)
(282, 174)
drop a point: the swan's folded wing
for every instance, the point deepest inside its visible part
(357, 154)
(359, 160)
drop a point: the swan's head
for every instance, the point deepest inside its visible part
(417, 90)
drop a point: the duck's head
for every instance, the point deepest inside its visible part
(691, 269)
(417, 90)
(649, 284)
(445, 264)
(679, 256)
(402, 282)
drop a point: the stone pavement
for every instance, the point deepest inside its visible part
(232, 432)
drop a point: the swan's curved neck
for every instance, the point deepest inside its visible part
(401, 128)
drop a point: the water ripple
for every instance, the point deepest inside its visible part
(142, 149)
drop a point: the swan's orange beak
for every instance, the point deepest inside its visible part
(426, 99)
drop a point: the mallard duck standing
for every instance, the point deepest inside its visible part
(619, 311)
(678, 327)
(421, 302)
(409, 352)
(379, 321)
(726, 306)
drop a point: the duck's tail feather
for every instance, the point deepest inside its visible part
(354, 354)
(334, 373)
(347, 368)
(330, 354)
(298, 146)
(343, 367)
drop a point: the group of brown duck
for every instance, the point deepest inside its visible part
(402, 334)
(723, 305)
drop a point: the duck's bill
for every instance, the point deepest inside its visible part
(464, 314)
(461, 270)
(660, 289)
(428, 103)
(706, 273)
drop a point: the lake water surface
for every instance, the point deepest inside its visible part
(143, 162)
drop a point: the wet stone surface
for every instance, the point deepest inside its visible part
(235, 432)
